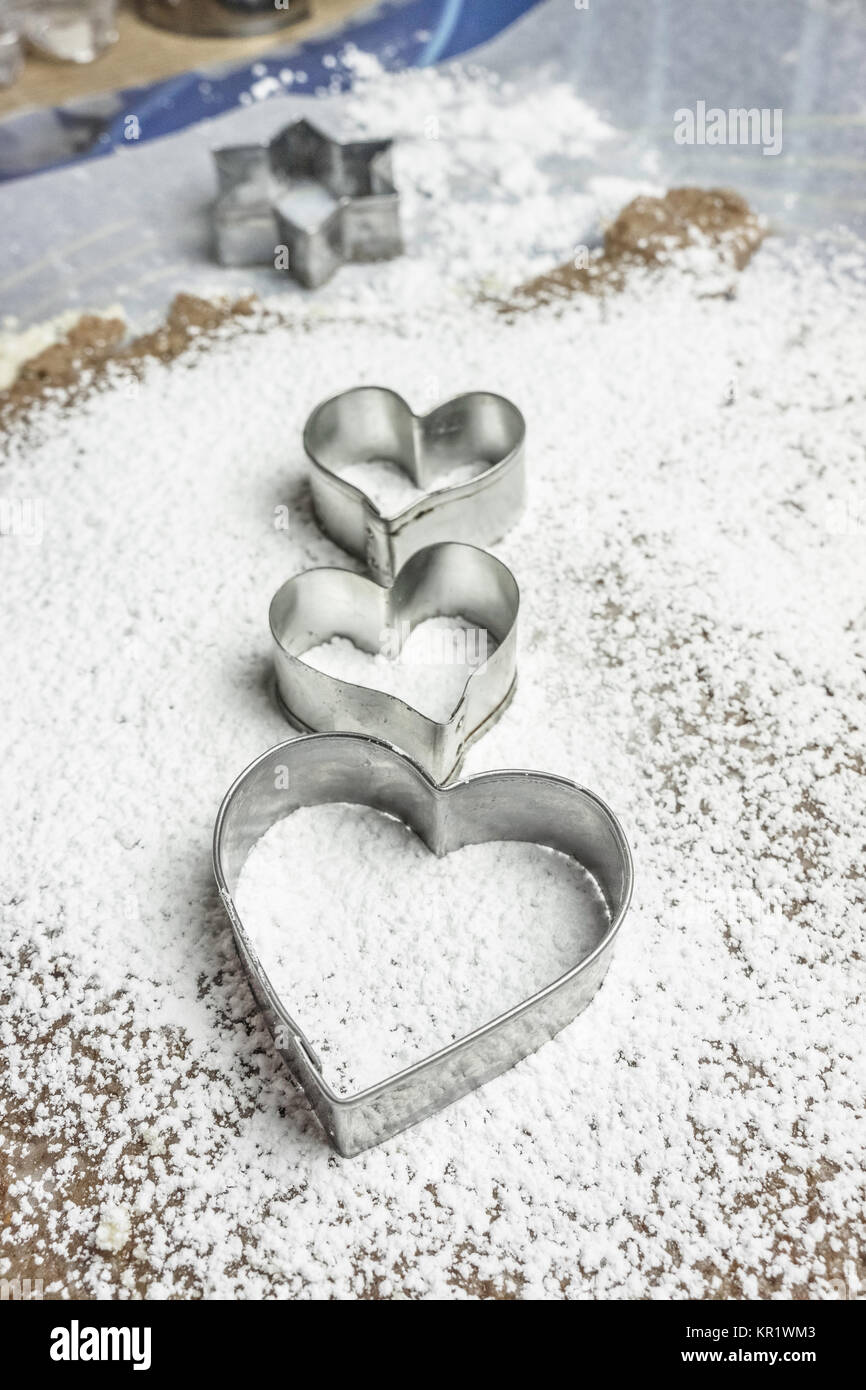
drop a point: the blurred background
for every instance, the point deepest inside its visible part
(108, 112)
(138, 41)
(62, 53)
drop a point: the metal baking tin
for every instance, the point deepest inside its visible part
(373, 424)
(251, 219)
(448, 579)
(528, 806)
(223, 18)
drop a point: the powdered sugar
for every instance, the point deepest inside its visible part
(331, 893)
(690, 566)
(427, 667)
(391, 490)
(112, 1233)
(489, 175)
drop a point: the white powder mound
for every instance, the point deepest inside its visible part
(691, 647)
(331, 892)
(492, 177)
(391, 490)
(114, 1228)
(490, 172)
(430, 670)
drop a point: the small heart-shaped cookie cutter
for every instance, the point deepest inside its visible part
(448, 579)
(527, 806)
(371, 424)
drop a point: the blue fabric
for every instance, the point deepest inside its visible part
(401, 35)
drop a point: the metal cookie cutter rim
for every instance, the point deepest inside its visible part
(441, 580)
(374, 423)
(537, 807)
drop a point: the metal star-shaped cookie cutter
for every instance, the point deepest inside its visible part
(351, 212)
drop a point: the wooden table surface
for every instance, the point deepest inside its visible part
(145, 54)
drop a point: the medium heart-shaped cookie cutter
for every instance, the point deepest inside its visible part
(448, 579)
(531, 806)
(371, 424)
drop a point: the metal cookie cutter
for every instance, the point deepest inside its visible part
(442, 580)
(327, 202)
(529, 806)
(372, 424)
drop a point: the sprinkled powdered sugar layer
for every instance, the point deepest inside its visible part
(483, 928)
(392, 490)
(430, 670)
(691, 571)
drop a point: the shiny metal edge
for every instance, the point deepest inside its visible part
(377, 1113)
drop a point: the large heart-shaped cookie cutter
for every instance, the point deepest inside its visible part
(371, 424)
(536, 807)
(442, 580)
